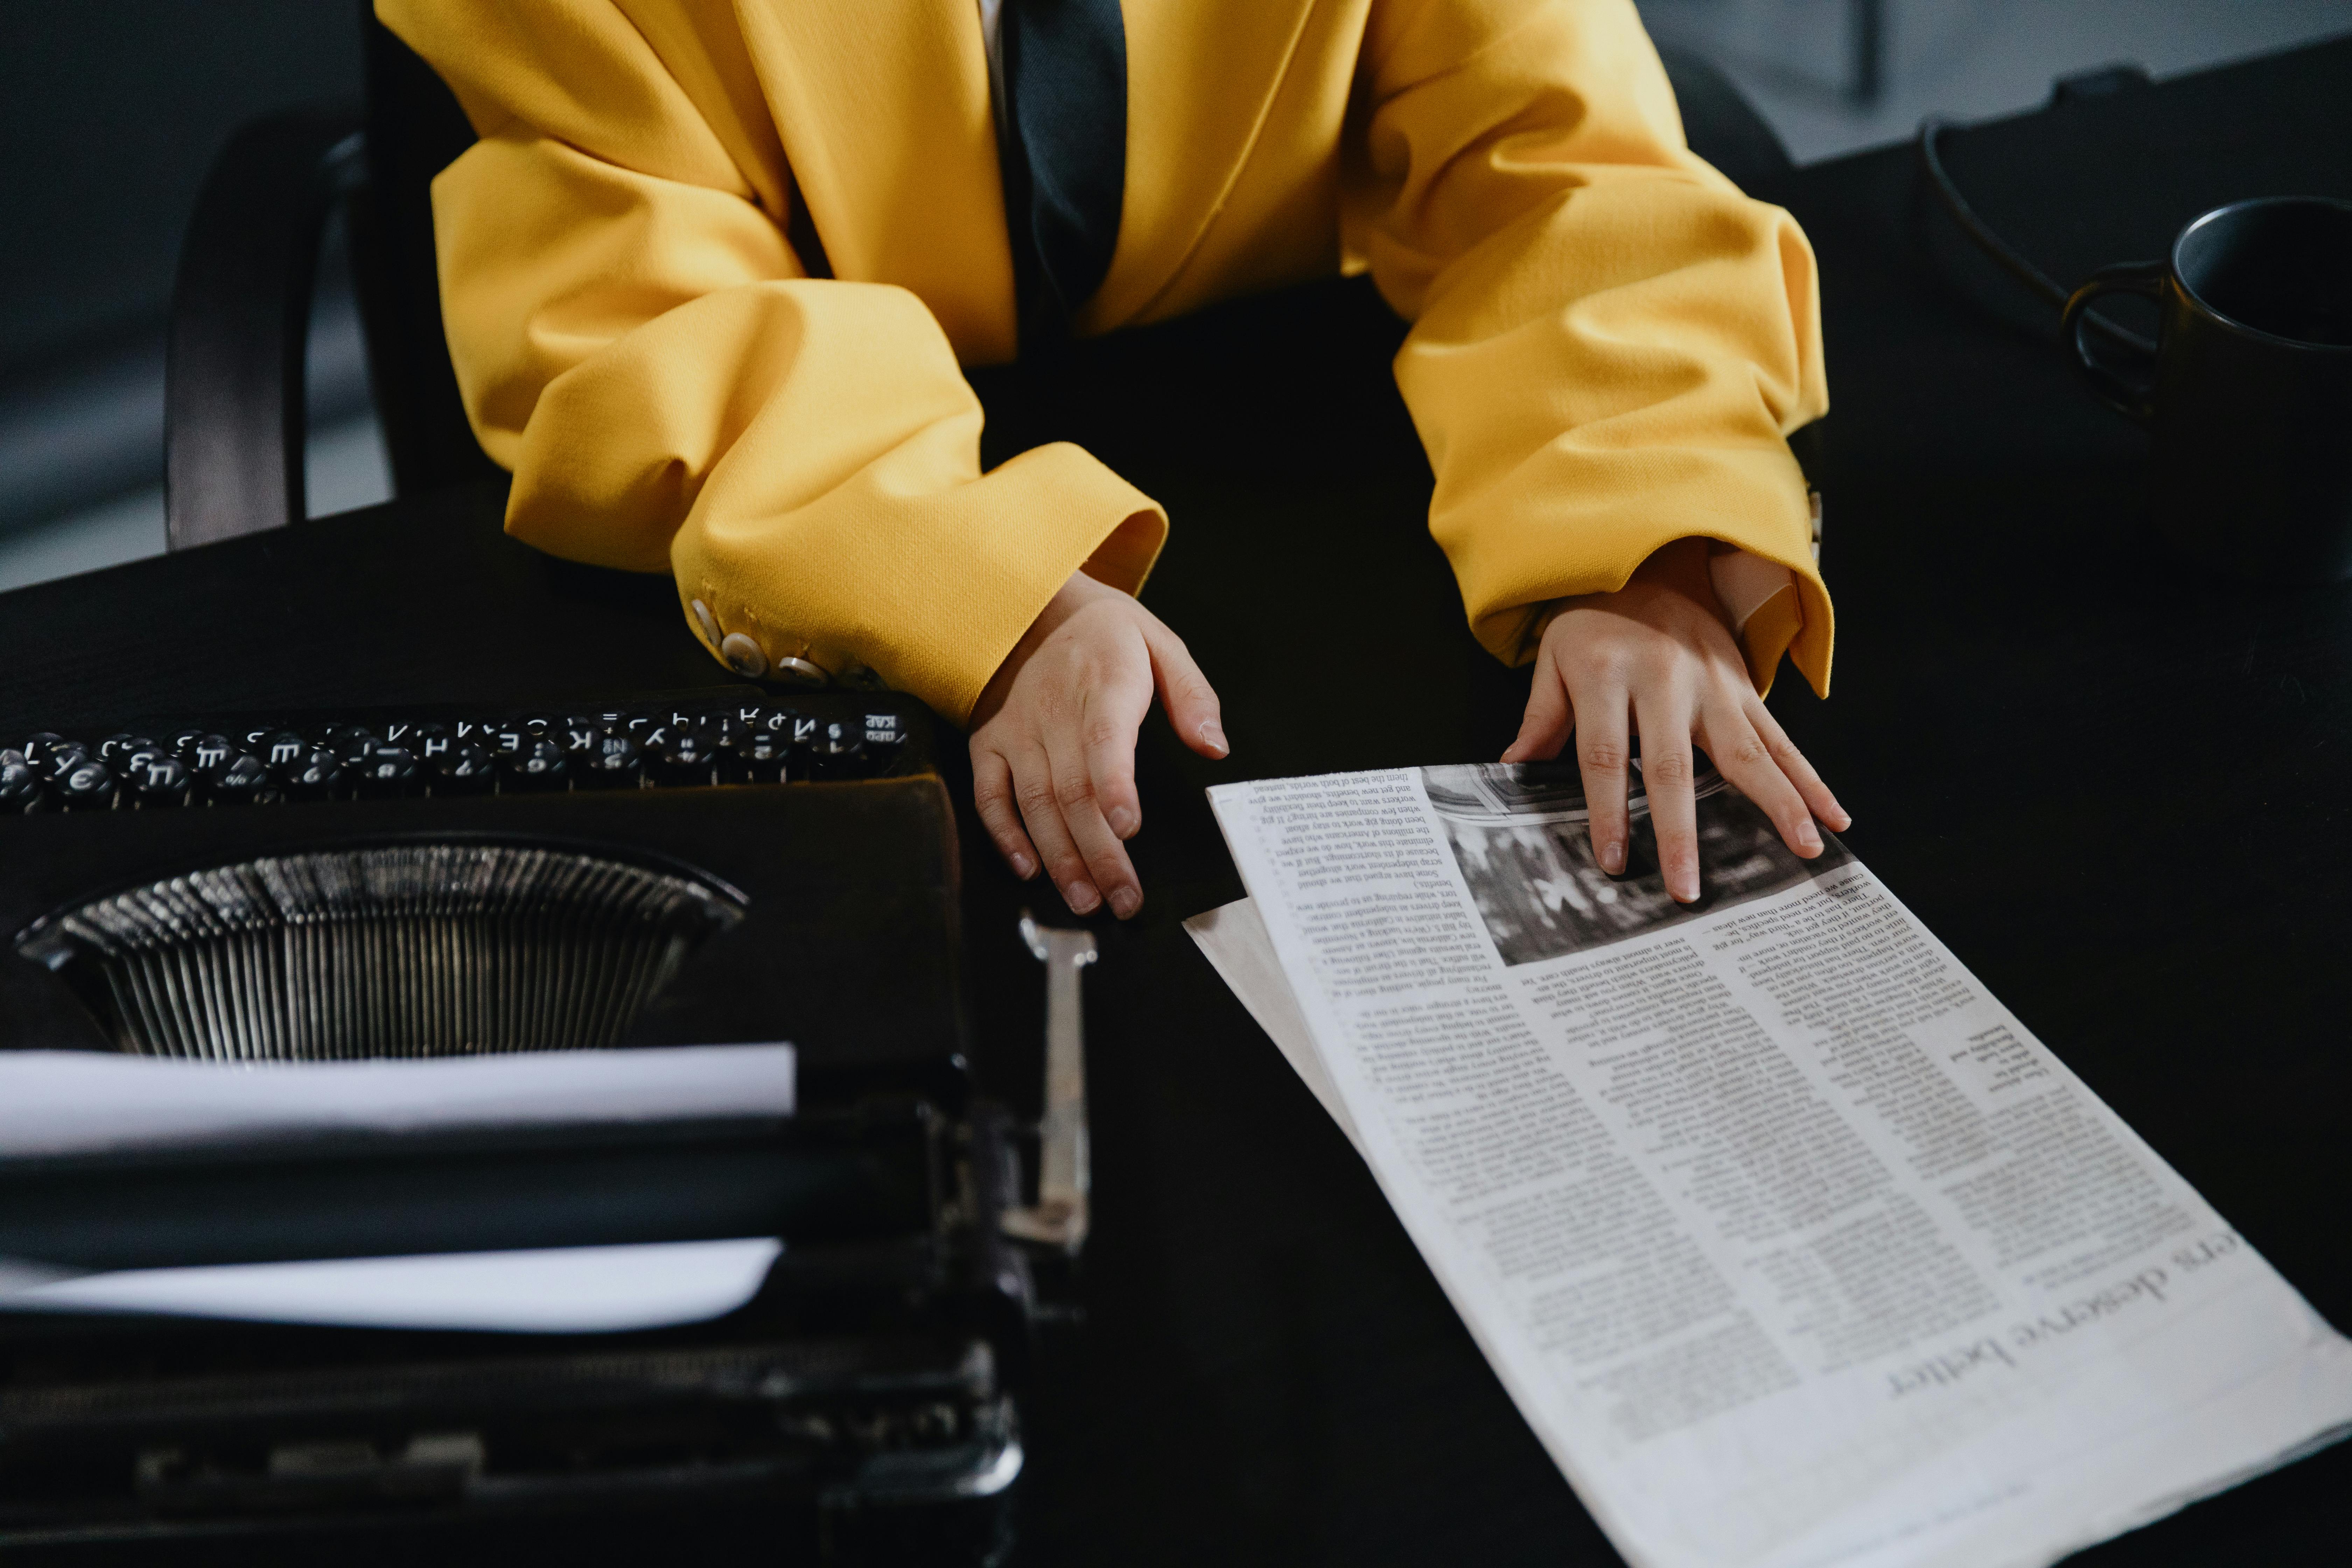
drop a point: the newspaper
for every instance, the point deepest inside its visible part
(1793, 1245)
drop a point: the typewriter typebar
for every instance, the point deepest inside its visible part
(701, 868)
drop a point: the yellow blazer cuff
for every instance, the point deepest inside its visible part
(929, 590)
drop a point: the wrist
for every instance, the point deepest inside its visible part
(1075, 594)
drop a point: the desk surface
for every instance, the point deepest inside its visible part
(2115, 786)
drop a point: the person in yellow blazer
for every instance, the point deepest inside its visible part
(1610, 344)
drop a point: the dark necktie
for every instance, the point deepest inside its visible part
(1064, 149)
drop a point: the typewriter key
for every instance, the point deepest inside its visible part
(56, 762)
(20, 787)
(431, 743)
(119, 745)
(87, 786)
(203, 753)
(617, 763)
(759, 759)
(156, 779)
(284, 750)
(507, 741)
(351, 743)
(578, 733)
(684, 757)
(240, 781)
(461, 768)
(385, 772)
(320, 777)
(839, 752)
(539, 765)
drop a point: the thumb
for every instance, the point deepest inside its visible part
(1549, 719)
(1185, 693)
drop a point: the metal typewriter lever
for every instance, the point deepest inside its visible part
(1063, 1176)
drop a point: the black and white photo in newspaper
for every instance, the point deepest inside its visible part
(1791, 1244)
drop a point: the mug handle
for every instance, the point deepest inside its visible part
(2136, 399)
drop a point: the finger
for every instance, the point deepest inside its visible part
(1601, 746)
(1548, 717)
(1108, 723)
(1799, 772)
(1185, 694)
(991, 792)
(1665, 724)
(1741, 756)
(1041, 810)
(1108, 871)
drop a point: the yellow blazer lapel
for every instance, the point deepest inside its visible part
(1198, 87)
(883, 107)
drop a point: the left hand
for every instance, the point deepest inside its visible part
(1655, 659)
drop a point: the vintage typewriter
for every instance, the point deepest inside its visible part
(730, 865)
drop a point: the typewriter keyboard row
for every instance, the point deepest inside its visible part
(389, 755)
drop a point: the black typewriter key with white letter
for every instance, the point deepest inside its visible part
(579, 734)
(351, 743)
(461, 768)
(89, 786)
(758, 758)
(20, 787)
(385, 772)
(617, 763)
(685, 757)
(538, 766)
(431, 743)
(53, 756)
(320, 777)
(203, 753)
(242, 780)
(154, 780)
(509, 742)
(119, 745)
(839, 752)
(284, 751)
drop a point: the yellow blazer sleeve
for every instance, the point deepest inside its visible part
(635, 339)
(1610, 343)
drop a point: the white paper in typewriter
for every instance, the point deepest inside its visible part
(1792, 1245)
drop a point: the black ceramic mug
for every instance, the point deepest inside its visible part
(2250, 394)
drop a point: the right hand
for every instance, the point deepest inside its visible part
(1053, 740)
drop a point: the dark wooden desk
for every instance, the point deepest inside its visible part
(2117, 788)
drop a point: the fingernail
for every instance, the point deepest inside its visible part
(1843, 820)
(1213, 736)
(1122, 822)
(1125, 901)
(1081, 897)
(1808, 837)
(1023, 867)
(1687, 887)
(1612, 858)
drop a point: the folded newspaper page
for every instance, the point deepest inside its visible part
(1793, 1245)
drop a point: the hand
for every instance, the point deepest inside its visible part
(1657, 651)
(1053, 740)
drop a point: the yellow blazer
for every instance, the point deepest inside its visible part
(1609, 342)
